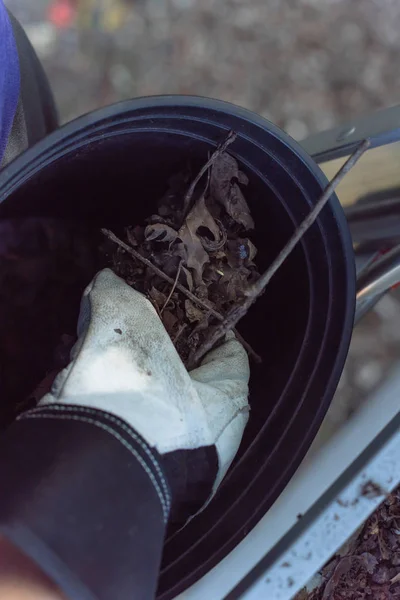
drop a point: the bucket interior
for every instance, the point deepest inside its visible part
(114, 178)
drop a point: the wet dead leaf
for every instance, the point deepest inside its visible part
(224, 187)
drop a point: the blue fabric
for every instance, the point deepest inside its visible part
(9, 78)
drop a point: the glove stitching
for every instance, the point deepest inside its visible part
(116, 421)
(165, 506)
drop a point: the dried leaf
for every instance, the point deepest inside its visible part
(169, 320)
(202, 325)
(385, 551)
(342, 568)
(197, 257)
(179, 249)
(225, 175)
(131, 235)
(252, 250)
(369, 561)
(395, 579)
(160, 232)
(188, 278)
(192, 312)
(167, 261)
(234, 282)
(158, 297)
(381, 575)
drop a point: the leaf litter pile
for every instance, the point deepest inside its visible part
(370, 567)
(194, 259)
(200, 239)
(198, 242)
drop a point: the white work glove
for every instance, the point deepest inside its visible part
(125, 363)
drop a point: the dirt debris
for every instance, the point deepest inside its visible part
(371, 568)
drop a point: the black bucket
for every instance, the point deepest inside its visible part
(111, 166)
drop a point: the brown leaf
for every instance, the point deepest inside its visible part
(385, 551)
(158, 297)
(169, 320)
(369, 562)
(192, 312)
(234, 282)
(131, 237)
(197, 257)
(342, 568)
(160, 232)
(188, 278)
(225, 175)
(252, 250)
(179, 249)
(395, 579)
(202, 325)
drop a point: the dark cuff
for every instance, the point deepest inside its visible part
(85, 497)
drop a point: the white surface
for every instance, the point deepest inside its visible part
(339, 520)
(316, 474)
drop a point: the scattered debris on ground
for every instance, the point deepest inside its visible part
(371, 568)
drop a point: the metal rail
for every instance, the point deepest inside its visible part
(372, 283)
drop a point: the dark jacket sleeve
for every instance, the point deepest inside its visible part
(85, 497)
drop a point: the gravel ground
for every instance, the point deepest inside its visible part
(305, 64)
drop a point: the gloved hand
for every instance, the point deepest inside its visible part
(125, 363)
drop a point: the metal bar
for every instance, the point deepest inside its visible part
(381, 127)
(378, 279)
(322, 467)
(304, 550)
(378, 171)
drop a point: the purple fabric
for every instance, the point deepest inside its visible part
(9, 78)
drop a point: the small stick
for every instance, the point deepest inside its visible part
(173, 287)
(256, 357)
(180, 331)
(231, 137)
(111, 236)
(252, 293)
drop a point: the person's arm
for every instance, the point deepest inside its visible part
(126, 440)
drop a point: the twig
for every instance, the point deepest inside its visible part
(180, 331)
(160, 273)
(173, 287)
(231, 137)
(256, 357)
(252, 293)
(111, 236)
